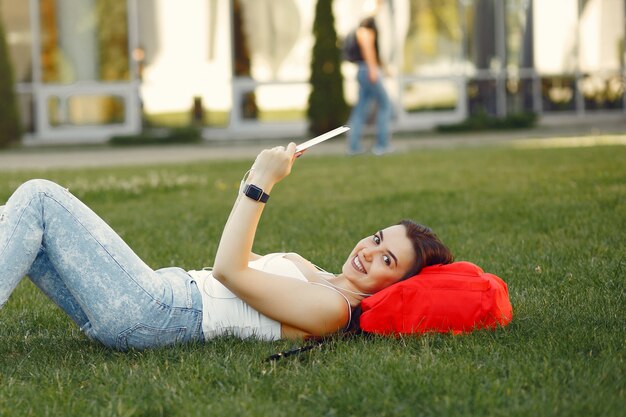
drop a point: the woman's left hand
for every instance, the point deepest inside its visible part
(272, 165)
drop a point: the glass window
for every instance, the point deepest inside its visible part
(273, 39)
(26, 103)
(16, 21)
(601, 35)
(86, 110)
(558, 93)
(481, 35)
(554, 32)
(112, 45)
(83, 40)
(56, 115)
(184, 59)
(426, 96)
(601, 52)
(602, 91)
(519, 95)
(482, 97)
(95, 110)
(519, 34)
(433, 41)
(275, 103)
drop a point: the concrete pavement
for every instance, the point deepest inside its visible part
(608, 130)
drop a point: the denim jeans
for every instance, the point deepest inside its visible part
(86, 269)
(369, 92)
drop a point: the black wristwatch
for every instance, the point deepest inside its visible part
(256, 193)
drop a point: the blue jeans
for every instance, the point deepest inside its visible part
(86, 269)
(369, 92)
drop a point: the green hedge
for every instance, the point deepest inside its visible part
(161, 136)
(10, 125)
(327, 107)
(483, 121)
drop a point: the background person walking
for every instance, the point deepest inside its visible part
(369, 77)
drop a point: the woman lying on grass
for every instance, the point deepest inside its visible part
(86, 269)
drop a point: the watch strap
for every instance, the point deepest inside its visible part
(256, 193)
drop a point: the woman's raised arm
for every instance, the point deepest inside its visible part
(233, 253)
(312, 309)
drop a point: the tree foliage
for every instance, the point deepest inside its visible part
(327, 104)
(10, 127)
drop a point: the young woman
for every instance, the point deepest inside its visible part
(85, 268)
(371, 88)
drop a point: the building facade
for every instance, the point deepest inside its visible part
(89, 69)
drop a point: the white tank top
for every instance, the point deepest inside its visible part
(223, 313)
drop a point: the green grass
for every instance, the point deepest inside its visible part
(550, 222)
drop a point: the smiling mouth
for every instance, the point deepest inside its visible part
(356, 263)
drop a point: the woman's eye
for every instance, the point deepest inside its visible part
(386, 260)
(376, 239)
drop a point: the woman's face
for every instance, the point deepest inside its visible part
(380, 260)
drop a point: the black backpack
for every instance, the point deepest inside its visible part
(350, 50)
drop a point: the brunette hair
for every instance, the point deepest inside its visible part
(429, 250)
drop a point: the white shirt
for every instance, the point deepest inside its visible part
(223, 313)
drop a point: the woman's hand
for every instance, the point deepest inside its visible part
(272, 165)
(233, 252)
(372, 74)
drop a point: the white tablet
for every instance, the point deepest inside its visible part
(321, 138)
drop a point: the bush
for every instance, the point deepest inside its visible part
(483, 121)
(327, 104)
(10, 125)
(159, 136)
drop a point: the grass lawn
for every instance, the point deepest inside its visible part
(551, 222)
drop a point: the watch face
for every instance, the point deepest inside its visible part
(254, 192)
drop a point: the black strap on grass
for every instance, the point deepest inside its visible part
(296, 351)
(353, 329)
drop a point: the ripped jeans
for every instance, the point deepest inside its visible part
(87, 270)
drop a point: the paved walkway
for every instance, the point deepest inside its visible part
(554, 133)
